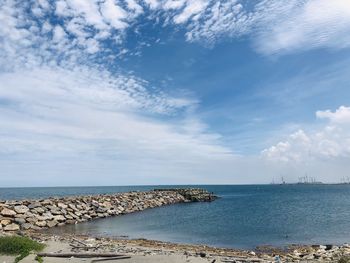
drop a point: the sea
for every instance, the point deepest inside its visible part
(244, 217)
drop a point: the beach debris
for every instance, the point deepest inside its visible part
(144, 247)
(112, 258)
(80, 242)
(80, 255)
(202, 254)
(277, 259)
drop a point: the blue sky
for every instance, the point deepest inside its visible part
(109, 92)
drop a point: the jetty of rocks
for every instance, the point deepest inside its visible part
(50, 212)
(193, 194)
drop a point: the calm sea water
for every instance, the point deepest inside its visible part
(244, 216)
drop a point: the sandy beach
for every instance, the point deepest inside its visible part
(142, 250)
(137, 253)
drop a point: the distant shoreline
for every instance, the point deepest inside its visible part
(10, 193)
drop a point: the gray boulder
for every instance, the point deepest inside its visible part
(20, 221)
(40, 223)
(21, 209)
(8, 212)
(34, 205)
(59, 218)
(52, 223)
(5, 222)
(11, 227)
(61, 205)
(26, 226)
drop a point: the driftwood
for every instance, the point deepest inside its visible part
(81, 255)
(84, 247)
(80, 242)
(105, 259)
(240, 259)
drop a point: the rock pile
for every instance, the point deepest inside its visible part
(46, 213)
(320, 253)
(193, 194)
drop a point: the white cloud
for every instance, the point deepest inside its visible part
(90, 11)
(114, 14)
(66, 112)
(322, 152)
(296, 148)
(58, 107)
(135, 7)
(329, 142)
(340, 116)
(58, 34)
(273, 26)
(44, 4)
(303, 25)
(92, 45)
(192, 8)
(220, 19)
(174, 4)
(153, 4)
(62, 9)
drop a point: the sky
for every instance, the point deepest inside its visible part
(134, 92)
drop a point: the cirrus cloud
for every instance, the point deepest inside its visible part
(100, 26)
(59, 106)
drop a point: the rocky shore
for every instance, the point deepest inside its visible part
(142, 250)
(51, 212)
(27, 216)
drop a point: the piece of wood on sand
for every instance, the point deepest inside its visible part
(105, 259)
(84, 247)
(80, 242)
(82, 255)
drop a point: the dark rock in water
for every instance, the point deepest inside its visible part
(329, 247)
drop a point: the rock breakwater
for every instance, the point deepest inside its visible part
(50, 212)
(193, 194)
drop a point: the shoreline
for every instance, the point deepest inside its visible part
(52, 212)
(144, 250)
